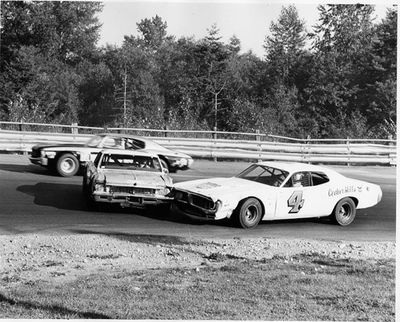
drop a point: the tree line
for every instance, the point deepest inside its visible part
(335, 81)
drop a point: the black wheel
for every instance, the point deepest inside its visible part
(67, 165)
(165, 164)
(248, 214)
(344, 212)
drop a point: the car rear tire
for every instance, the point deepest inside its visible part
(67, 165)
(248, 213)
(344, 212)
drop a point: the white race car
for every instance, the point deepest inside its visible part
(276, 190)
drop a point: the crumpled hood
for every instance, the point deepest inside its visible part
(135, 178)
(220, 188)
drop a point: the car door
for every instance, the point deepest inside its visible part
(299, 198)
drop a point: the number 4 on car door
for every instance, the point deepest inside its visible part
(296, 201)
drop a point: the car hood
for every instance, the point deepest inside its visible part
(221, 188)
(129, 178)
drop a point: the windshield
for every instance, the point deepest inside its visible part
(95, 141)
(264, 174)
(131, 162)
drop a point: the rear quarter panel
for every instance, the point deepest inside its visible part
(364, 193)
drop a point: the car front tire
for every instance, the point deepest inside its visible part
(248, 214)
(344, 212)
(67, 165)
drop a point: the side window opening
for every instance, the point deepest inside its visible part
(132, 144)
(299, 179)
(319, 178)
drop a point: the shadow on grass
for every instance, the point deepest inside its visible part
(55, 309)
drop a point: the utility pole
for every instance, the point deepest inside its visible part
(215, 110)
(121, 96)
(125, 97)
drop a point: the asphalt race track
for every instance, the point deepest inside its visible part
(34, 201)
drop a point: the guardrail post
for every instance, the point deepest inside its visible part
(74, 128)
(215, 138)
(22, 145)
(392, 155)
(20, 128)
(105, 129)
(258, 139)
(348, 151)
(307, 156)
(165, 130)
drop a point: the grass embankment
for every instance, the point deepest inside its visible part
(312, 287)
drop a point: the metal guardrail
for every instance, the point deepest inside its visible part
(74, 128)
(353, 151)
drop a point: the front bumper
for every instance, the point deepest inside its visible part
(39, 161)
(193, 211)
(130, 200)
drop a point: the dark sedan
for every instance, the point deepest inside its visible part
(68, 159)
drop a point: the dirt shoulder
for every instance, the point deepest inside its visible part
(34, 257)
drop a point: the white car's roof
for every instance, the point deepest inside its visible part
(129, 152)
(150, 144)
(121, 135)
(296, 166)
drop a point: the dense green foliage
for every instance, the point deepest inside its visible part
(338, 80)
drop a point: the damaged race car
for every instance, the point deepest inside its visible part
(126, 177)
(273, 191)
